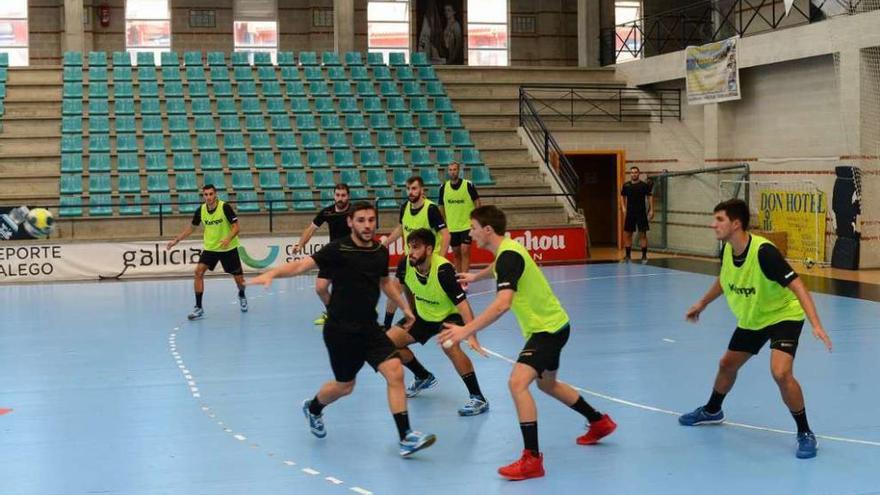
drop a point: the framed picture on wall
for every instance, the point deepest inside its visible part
(202, 18)
(439, 31)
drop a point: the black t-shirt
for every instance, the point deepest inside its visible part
(337, 221)
(228, 212)
(435, 218)
(635, 194)
(472, 191)
(771, 261)
(355, 275)
(445, 274)
(509, 267)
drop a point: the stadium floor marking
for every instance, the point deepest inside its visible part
(191, 384)
(646, 407)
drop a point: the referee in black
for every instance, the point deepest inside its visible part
(634, 196)
(352, 334)
(336, 218)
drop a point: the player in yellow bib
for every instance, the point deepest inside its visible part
(458, 198)
(522, 287)
(769, 302)
(416, 213)
(221, 245)
(436, 295)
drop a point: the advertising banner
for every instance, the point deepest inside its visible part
(712, 72)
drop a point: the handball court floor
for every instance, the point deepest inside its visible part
(111, 390)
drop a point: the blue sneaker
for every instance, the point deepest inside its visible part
(316, 421)
(699, 416)
(417, 386)
(474, 406)
(242, 303)
(807, 445)
(416, 441)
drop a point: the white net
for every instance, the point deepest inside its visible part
(791, 213)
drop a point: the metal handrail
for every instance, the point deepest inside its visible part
(592, 103)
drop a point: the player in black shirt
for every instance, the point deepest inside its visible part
(352, 335)
(336, 217)
(633, 199)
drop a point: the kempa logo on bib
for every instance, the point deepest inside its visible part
(214, 222)
(426, 301)
(742, 291)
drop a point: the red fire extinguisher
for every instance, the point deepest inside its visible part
(104, 15)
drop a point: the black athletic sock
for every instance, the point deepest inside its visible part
(199, 299)
(629, 252)
(401, 419)
(315, 406)
(241, 291)
(800, 417)
(586, 410)
(416, 367)
(714, 404)
(470, 381)
(389, 320)
(530, 436)
(644, 253)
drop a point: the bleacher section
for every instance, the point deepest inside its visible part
(268, 137)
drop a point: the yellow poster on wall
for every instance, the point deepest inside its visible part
(801, 215)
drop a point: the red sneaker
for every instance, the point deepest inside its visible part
(598, 430)
(528, 466)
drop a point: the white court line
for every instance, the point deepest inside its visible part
(669, 340)
(360, 490)
(333, 480)
(310, 471)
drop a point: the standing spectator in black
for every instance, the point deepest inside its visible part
(637, 204)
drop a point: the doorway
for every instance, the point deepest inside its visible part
(599, 179)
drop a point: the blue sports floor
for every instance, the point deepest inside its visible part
(113, 391)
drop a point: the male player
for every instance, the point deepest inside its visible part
(634, 194)
(221, 244)
(434, 292)
(336, 217)
(416, 213)
(769, 302)
(458, 198)
(351, 334)
(544, 323)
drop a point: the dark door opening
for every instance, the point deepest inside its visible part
(597, 195)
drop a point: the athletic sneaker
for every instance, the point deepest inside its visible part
(699, 416)
(316, 421)
(321, 319)
(419, 385)
(474, 406)
(626, 259)
(644, 261)
(528, 466)
(196, 313)
(807, 445)
(415, 441)
(597, 430)
(242, 302)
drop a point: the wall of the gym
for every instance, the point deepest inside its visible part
(553, 41)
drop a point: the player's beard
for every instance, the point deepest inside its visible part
(414, 198)
(342, 205)
(418, 261)
(365, 236)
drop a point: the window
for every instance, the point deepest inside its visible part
(147, 27)
(628, 42)
(256, 36)
(14, 31)
(487, 32)
(388, 27)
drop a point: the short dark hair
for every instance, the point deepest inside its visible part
(492, 216)
(735, 209)
(635, 168)
(343, 186)
(209, 186)
(421, 236)
(413, 179)
(362, 205)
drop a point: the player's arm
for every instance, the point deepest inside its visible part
(445, 239)
(392, 290)
(392, 236)
(650, 206)
(438, 223)
(289, 269)
(196, 220)
(475, 196)
(234, 232)
(304, 237)
(499, 306)
(471, 277)
(806, 300)
(693, 313)
(467, 314)
(623, 199)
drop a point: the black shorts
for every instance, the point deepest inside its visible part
(422, 331)
(634, 220)
(458, 238)
(783, 336)
(542, 350)
(350, 348)
(230, 260)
